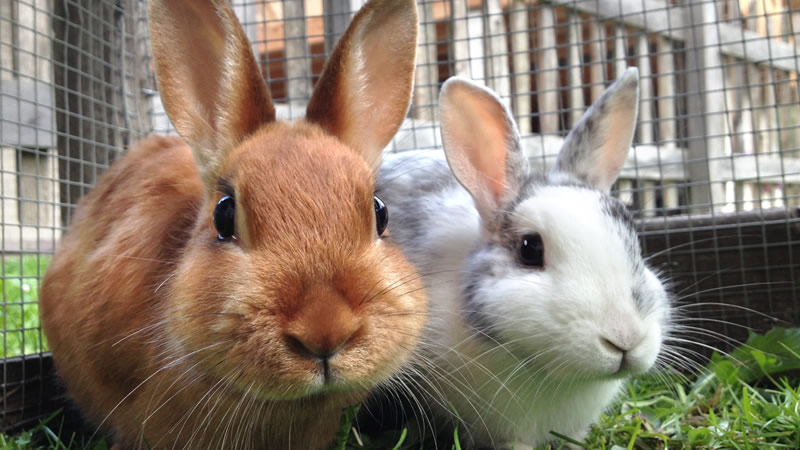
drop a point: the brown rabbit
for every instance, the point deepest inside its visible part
(235, 292)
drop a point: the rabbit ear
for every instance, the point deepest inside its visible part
(364, 91)
(210, 83)
(481, 143)
(595, 150)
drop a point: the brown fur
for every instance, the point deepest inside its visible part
(166, 336)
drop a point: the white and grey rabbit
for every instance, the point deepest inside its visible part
(541, 304)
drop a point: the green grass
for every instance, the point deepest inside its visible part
(48, 436)
(19, 315)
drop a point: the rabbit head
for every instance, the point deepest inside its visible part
(286, 277)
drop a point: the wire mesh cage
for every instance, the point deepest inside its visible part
(713, 177)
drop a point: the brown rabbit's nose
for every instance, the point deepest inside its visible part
(324, 324)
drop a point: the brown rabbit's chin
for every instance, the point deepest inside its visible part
(312, 386)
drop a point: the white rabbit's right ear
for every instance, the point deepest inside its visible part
(481, 142)
(208, 78)
(595, 150)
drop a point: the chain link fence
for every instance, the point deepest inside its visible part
(713, 177)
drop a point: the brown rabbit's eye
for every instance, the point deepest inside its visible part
(381, 215)
(224, 214)
(531, 250)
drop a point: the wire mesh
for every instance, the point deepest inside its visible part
(713, 177)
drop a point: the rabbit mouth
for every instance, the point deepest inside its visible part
(319, 388)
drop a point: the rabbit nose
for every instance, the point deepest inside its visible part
(324, 324)
(323, 353)
(619, 341)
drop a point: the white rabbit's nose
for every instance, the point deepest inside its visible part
(617, 342)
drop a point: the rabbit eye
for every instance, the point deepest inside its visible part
(531, 250)
(224, 214)
(381, 215)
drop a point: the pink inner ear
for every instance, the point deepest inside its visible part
(611, 156)
(485, 137)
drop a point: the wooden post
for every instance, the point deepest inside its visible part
(772, 144)
(746, 195)
(620, 51)
(778, 197)
(646, 134)
(597, 50)
(625, 188)
(648, 196)
(666, 92)
(787, 111)
(7, 41)
(670, 194)
(476, 48)
(750, 113)
(575, 70)
(247, 12)
(547, 71)
(759, 101)
(744, 139)
(298, 68)
(468, 41)
(460, 45)
(336, 16)
(766, 195)
(497, 50)
(521, 60)
(427, 73)
(706, 105)
(754, 20)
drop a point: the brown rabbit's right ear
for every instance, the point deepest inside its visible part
(210, 83)
(365, 88)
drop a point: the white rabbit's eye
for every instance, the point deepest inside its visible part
(224, 215)
(381, 215)
(531, 250)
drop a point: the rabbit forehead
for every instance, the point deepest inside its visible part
(578, 222)
(296, 181)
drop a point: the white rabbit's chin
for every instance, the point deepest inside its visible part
(586, 356)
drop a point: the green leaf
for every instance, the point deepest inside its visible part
(400, 441)
(770, 355)
(770, 411)
(345, 425)
(699, 436)
(760, 358)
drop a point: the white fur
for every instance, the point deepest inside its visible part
(546, 353)
(558, 314)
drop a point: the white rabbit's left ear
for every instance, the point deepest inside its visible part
(481, 142)
(595, 150)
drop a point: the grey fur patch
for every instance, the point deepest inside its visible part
(406, 218)
(582, 141)
(476, 275)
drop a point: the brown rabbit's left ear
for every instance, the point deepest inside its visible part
(210, 83)
(365, 89)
